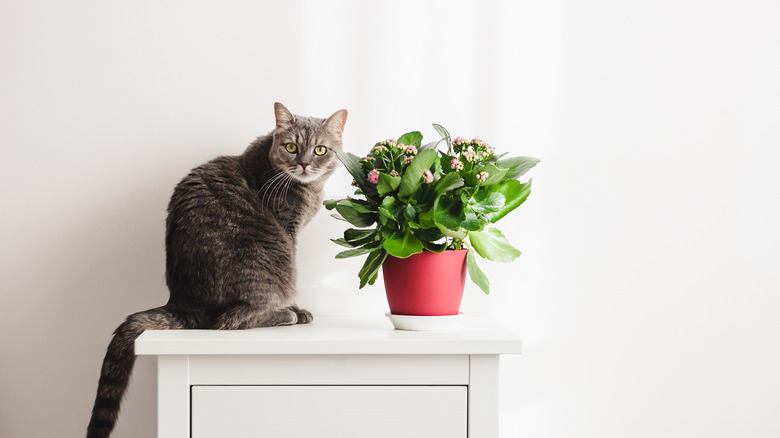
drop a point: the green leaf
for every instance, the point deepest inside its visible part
(434, 247)
(428, 234)
(424, 198)
(458, 234)
(515, 193)
(352, 163)
(492, 245)
(368, 272)
(449, 182)
(477, 276)
(487, 201)
(391, 208)
(358, 205)
(411, 214)
(431, 145)
(426, 218)
(517, 166)
(330, 204)
(448, 212)
(343, 242)
(373, 277)
(445, 162)
(413, 138)
(357, 219)
(388, 231)
(495, 175)
(412, 175)
(472, 222)
(445, 135)
(362, 206)
(359, 237)
(387, 183)
(354, 252)
(428, 237)
(402, 244)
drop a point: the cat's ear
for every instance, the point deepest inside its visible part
(336, 122)
(284, 118)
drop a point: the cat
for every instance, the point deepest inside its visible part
(230, 244)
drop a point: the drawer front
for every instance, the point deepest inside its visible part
(329, 411)
(329, 370)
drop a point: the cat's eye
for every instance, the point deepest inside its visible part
(291, 148)
(320, 150)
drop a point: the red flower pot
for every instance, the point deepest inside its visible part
(425, 284)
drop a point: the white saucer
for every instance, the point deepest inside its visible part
(424, 323)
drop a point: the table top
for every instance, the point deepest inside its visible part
(331, 335)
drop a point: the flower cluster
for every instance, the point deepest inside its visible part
(373, 176)
(456, 165)
(389, 157)
(476, 146)
(393, 146)
(390, 143)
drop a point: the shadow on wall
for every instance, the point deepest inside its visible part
(328, 286)
(73, 286)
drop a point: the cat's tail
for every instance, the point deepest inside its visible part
(118, 365)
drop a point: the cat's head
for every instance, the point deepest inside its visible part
(304, 146)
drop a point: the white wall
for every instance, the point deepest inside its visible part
(647, 295)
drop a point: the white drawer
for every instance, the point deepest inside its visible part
(329, 411)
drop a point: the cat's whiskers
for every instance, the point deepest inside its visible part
(276, 191)
(269, 187)
(281, 193)
(270, 180)
(289, 182)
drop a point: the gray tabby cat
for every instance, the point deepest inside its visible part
(230, 244)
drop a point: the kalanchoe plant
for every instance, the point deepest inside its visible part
(411, 198)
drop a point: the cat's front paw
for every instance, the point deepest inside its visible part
(304, 316)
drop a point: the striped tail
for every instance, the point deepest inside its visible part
(118, 365)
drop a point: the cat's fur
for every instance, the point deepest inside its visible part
(230, 245)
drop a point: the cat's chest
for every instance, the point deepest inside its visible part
(295, 208)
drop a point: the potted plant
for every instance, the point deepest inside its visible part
(416, 209)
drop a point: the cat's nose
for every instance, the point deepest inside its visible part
(304, 165)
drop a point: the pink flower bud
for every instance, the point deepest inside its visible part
(427, 176)
(456, 165)
(373, 176)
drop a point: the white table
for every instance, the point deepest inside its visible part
(333, 378)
